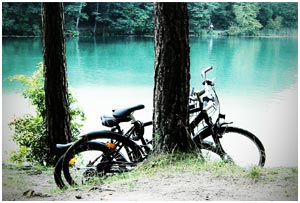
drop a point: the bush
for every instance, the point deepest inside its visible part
(30, 130)
(234, 30)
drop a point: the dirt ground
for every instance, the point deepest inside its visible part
(32, 184)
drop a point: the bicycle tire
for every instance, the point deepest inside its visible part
(59, 164)
(250, 152)
(57, 174)
(134, 157)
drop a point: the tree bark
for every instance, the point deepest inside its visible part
(56, 95)
(172, 77)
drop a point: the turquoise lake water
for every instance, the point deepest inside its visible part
(260, 64)
(257, 81)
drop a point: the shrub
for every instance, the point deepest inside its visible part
(234, 30)
(29, 131)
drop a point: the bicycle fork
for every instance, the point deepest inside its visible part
(215, 133)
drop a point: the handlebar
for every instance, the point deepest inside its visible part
(204, 93)
(203, 73)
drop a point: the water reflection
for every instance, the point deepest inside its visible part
(256, 65)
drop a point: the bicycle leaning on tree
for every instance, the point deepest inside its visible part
(108, 152)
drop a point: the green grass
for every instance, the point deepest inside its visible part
(170, 164)
(255, 173)
(174, 163)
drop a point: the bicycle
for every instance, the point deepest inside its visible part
(106, 148)
(116, 151)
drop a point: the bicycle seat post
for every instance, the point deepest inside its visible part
(116, 128)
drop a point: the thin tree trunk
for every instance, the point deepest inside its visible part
(79, 15)
(97, 11)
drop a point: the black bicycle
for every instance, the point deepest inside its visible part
(108, 152)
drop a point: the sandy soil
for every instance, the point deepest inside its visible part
(32, 184)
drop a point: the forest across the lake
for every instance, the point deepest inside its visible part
(137, 18)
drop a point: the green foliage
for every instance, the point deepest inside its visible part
(30, 130)
(234, 30)
(274, 24)
(136, 18)
(266, 12)
(288, 11)
(21, 18)
(200, 16)
(29, 134)
(245, 16)
(223, 16)
(127, 18)
(74, 15)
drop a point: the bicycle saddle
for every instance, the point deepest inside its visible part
(119, 115)
(125, 112)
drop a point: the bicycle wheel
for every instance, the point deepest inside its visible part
(59, 180)
(83, 163)
(240, 146)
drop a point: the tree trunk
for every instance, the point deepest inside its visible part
(79, 15)
(172, 77)
(97, 13)
(56, 96)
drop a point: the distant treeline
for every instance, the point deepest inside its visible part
(135, 18)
